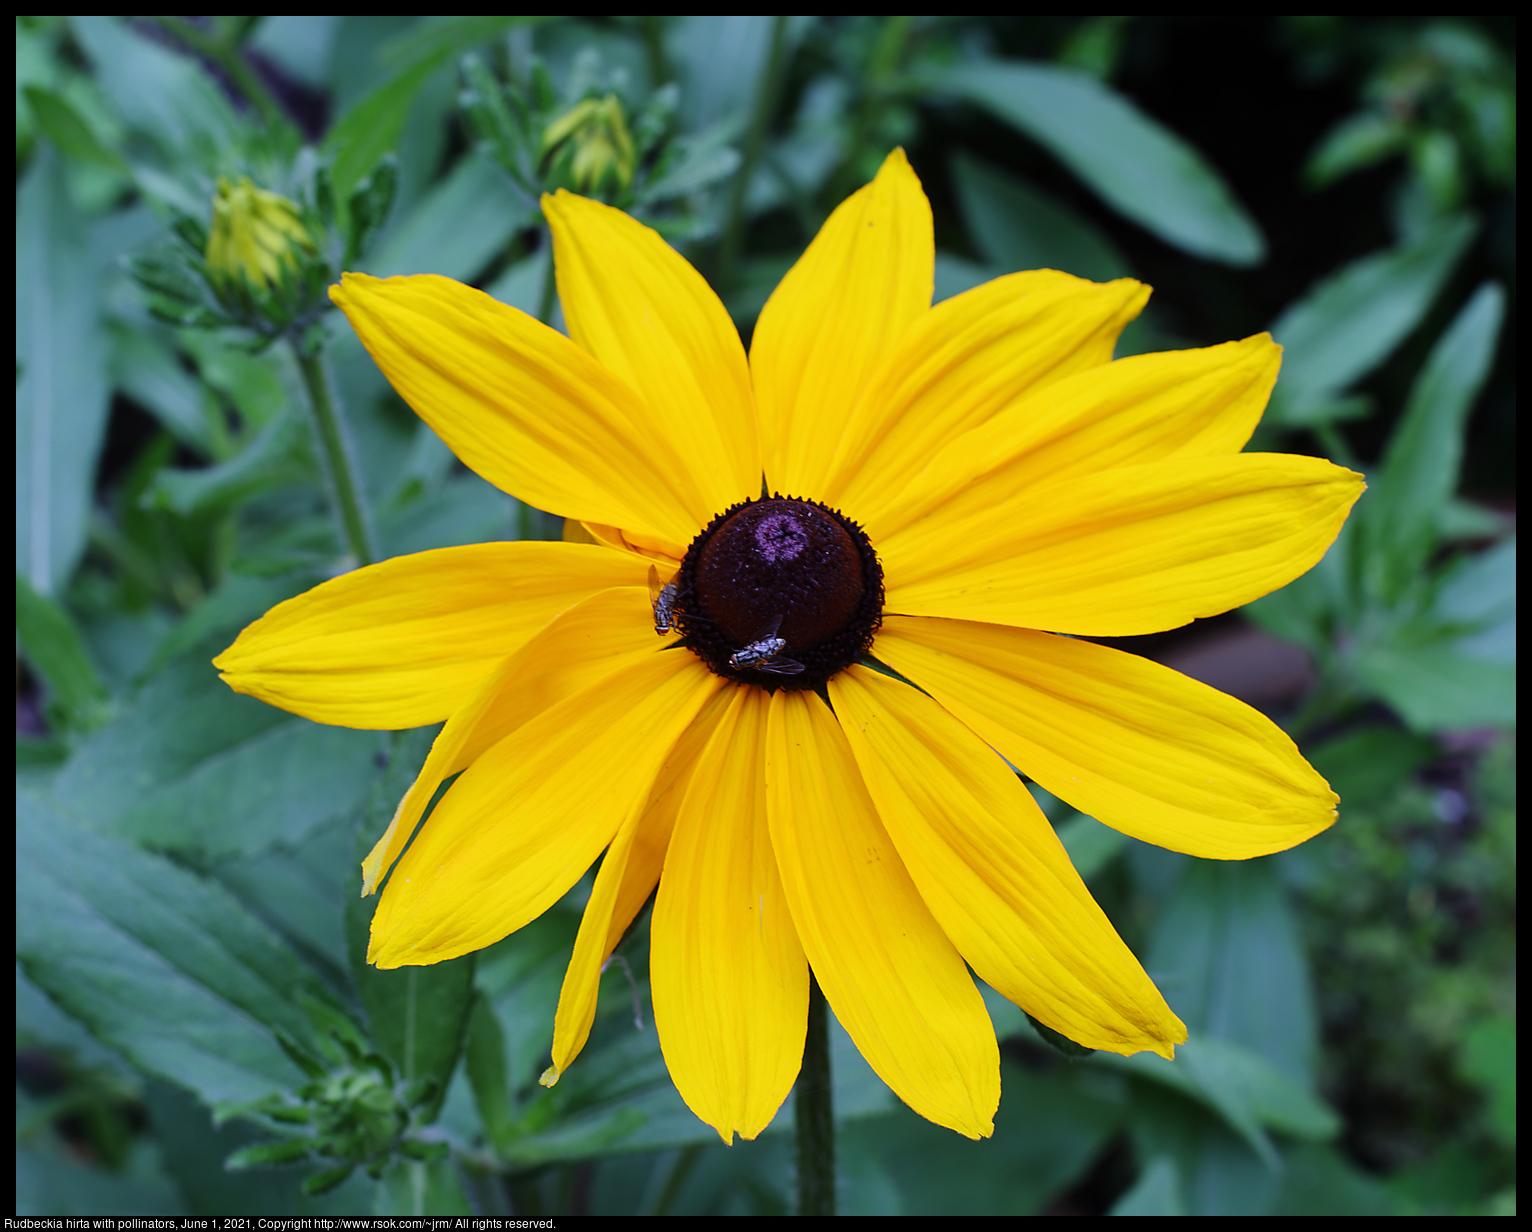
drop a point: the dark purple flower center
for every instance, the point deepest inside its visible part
(780, 592)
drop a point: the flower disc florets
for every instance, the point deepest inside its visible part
(776, 585)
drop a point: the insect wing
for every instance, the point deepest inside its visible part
(779, 667)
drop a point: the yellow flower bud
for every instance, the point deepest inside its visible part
(593, 137)
(255, 235)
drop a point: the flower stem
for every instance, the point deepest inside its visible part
(815, 1114)
(339, 465)
(755, 138)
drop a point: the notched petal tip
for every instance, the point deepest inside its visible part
(550, 1076)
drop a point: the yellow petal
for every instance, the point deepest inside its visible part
(522, 405)
(1139, 410)
(524, 822)
(404, 642)
(888, 971)
(635, 303)
(729, 978)
(647, 858)
(629, 872)
(1134, 744)
(1127, 551)
(833, 321)
(967, 359)
(993, 872)
(602, 636)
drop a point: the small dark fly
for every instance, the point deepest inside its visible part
(664, 600)
(764, 654)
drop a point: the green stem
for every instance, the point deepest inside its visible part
(228, 58)
(875, 89)
(815, 1114)
(339, 464)
(755, 138)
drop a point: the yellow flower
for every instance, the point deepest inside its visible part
(1006, 475)
(255, 235)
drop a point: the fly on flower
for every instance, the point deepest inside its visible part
(765, 653)
(663, 600)
(952, 488)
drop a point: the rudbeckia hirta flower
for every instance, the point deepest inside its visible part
(956, 493)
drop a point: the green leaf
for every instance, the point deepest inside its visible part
(1351, 321)
(153, 89)
(1487, 1058)
(458, 227)
(489, 1076)
(372, 127)
(1481, 595)
(62, 395)
(419, 1015)
(1227, 951)
(1358, 141)
(68, 131)
(273, 458)
(1018, 227)
(1409, 492)
(53, 646)
(1137, 166)
(148, 370)
(1435, 688)
(159, 963)
(421, 1187)
(1156, 1192)
(190, 766)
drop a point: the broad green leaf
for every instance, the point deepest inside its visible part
(1365, 765)
(954, 275)
(438, 37)
(1419, 471)
(419, 1187)
(1358, 141)
(488, 1076)
(1246, 1092)
(1321, 1180)
(1351, 321)
(419, 1015)
(190, 766)
(150, 372)
(68, 130)
(1232, 964)
(372, 127)
(273, 458)
(458, 227)
(159, 963)
(1019, 227)
(1435, 688)
(53, 646)
(718, 61)
(1090, 844)
(1482, 596)
(1143, 170)
(61, 391)
(153, 89)
(1050, 1126)
(1156, 1192)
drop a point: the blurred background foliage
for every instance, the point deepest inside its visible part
(196, 1032)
